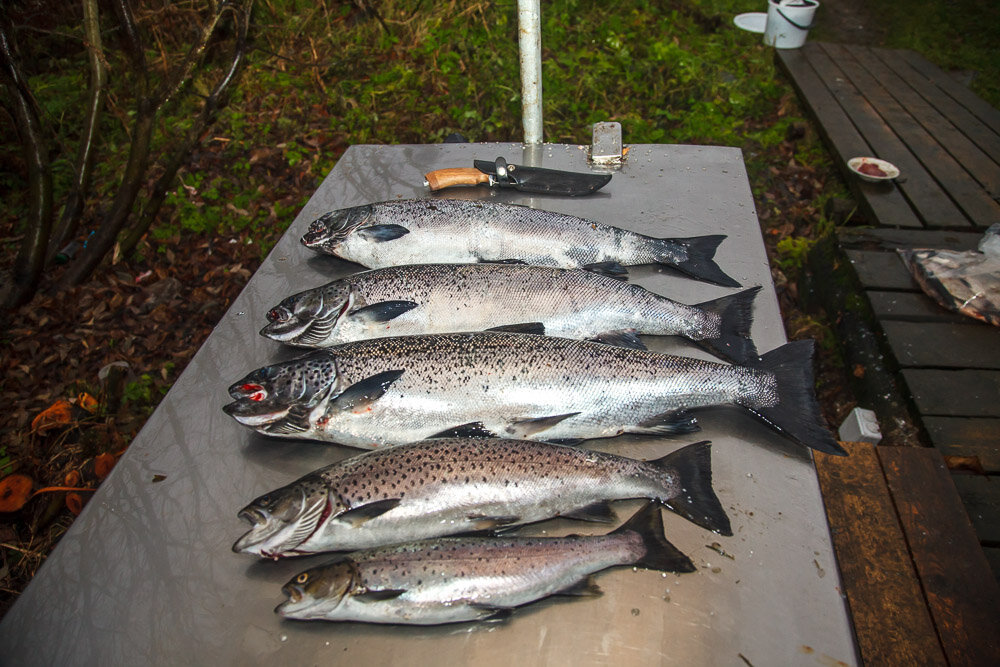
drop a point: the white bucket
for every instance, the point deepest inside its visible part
(788, 22)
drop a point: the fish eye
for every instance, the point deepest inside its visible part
(302, 578)
(264, 500)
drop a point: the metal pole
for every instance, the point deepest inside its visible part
(530, 47)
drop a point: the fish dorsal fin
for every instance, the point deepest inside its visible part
(378, 596)
(609, 269)
(524, 428)
(470, 430)
(362, 513)
(383, 311)
(620, 339)
(585, 588)
(382, 233)
(536, 328)
(599, 512)
(360, 395)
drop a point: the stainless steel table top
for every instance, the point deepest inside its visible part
(146, 574)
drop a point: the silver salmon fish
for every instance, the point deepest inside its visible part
(443, 487)
(454, 580)
(453, 231)
(391, 391)
(442, 298)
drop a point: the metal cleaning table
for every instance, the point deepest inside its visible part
(146, 574)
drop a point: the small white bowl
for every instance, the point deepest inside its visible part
(891, 171)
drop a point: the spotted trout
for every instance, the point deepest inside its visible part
(447, 486)
(442, 298)
(454, 580)
(391, 391)
(453, 231)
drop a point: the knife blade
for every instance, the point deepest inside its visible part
(526, 179)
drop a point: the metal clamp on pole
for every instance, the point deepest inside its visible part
(530, 47)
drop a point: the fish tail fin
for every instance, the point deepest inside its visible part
(735, 313)
(697, 501)
(797, 413)
(699, 264)
(660, 553)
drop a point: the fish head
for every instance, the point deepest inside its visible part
(317, 592)
(283, 519)
(279, 399)
(309, 318)
(328, 231)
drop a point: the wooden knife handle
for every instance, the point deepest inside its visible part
(446, 178)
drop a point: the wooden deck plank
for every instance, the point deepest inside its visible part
(891, 620)
(911, 307)
(966, 121)
(878, 203)
(890, 239)
(881, 270)
(962, 436)
(962, 596)
(944, 345)
(961, 94)
(929, 199)
(981, 496)
(954, 393)
(980, 208)
(980, 166)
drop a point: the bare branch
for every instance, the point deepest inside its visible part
(73, 209)
(215, 100)
(192, 60)
(31, 257)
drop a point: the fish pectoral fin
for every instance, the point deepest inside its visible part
(620, 339)
(536, 328)
(382, 233)
(492, 614)
(360, 395)
(599, 512)
(383, 311)
(667, 423)
(470, 430)
(524, 428)
(585, 588)
(610, 269)
(362, 513)
(370, 595)
(484, 522)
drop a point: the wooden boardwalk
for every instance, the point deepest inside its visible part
(916, 528)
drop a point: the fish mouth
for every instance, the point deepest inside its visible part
(284, 332)
(251, 415)
(318, 236)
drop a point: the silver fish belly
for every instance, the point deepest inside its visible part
(442, 298)
(452, 580)
(455, 231)
(390, 391)
(443, 487)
